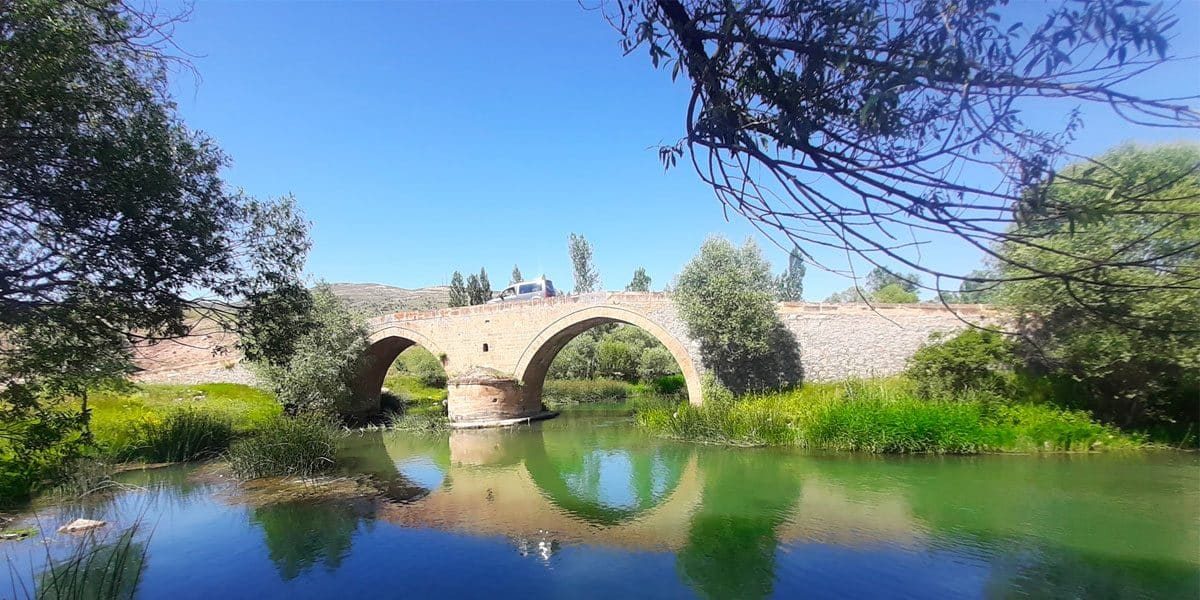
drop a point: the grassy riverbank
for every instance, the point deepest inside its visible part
(167, 423)
(882, 416)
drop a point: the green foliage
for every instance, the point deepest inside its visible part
(1130, 331)
(414, 421)
(423, 365)
(318, 376)
(47, 370)
(182, 435)
(115, 219)
(880, 278)
(656, 363)
(848, 295)
(640, 281)
(577, 360)
(725, 295)
(789, 286)
(458, 291)
(616, 360)
(270, 323)
(516, 276)
(570, 391)
(587, 279)
(485, 287)
(300, 446)
(95, 570)
(971, 360)
(842, 123)
(882, 287)
(893, 294)
(884, 416)
(974, 290)
(614, 351)
(669, 385)
(479, 289)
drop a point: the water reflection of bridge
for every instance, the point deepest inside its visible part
(588, 485)
(728, 516)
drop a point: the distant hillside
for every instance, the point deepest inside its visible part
(376, 299)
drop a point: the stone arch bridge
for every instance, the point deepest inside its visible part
(496, 355)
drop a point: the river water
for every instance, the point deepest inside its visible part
(586, 506)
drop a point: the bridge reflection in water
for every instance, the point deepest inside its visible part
(579, 481)
(745, 523)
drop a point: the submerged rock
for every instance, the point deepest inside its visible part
(81, 525)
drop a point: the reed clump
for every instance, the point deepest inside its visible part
(882, 416)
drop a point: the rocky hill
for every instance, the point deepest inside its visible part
(376, 299)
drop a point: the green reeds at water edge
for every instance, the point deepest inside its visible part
(300, 446)
(181, 435)
(882, 416)
(95, 569)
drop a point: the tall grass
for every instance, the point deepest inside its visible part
(572, 391)
(170, 423)
(93, 570)
(182, 435)
(419, 422)
(881, 416)
(300, 446)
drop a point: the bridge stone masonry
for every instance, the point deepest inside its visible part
(496, 355)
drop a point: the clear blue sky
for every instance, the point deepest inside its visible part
(424, 138)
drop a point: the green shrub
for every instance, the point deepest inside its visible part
(655, 363)
(668, 385)
(973, 359)
(26, 470)
(568, 391)
(726, 296)
(300, 446)
(894, 294)
(182, 435)
(317, 377)
(1129, 334)
(423, 365)
(616, 360)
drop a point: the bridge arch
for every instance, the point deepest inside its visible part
(385, 345)
(535, 360)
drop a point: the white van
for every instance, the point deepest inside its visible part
(526, 290)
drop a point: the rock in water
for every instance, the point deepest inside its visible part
(81, 525)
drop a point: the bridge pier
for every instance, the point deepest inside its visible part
(481, 397)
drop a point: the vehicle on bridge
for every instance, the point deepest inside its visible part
(526, 290)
